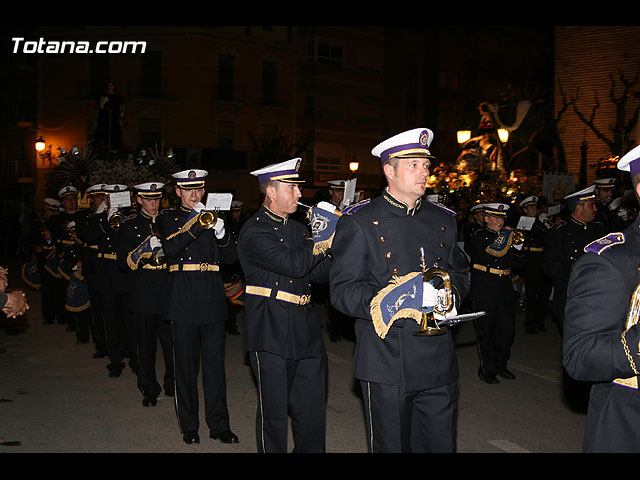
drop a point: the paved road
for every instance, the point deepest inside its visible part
(55, 398)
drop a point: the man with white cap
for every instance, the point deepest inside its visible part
(537, 286)
(495, 253)
(601, 332)
(564, 244)
(60, 226)
(409, 382)
(140, 252)
(195, 241)
(605, 189)
(281, 333)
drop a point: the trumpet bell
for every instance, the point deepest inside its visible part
(116, 220)
(207, 219)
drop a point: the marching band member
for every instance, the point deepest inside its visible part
(140, 252)
(195, 245)
(281, 333)
(494, 255)
(405, 379)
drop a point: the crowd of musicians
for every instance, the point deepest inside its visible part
(130, 279)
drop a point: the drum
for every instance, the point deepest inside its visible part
(233, 290)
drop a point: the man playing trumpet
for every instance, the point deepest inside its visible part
(195, 241)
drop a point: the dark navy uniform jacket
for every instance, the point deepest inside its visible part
(379, 240)
(484, 284)
(564, 244)
(110, 277)
(600, 289)
(195, 296)
(276, 253)
(150, 285)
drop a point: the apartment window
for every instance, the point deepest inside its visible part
(151, 75)
(269, 82)
(225, 77)
(328, 164)
(150, 132)
(329, 54)
(226, 133)
(324, 53)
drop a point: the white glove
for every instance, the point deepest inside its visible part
(71, 225)
(101, 208)
(329, 207)
(198, 207)
(518, 247)
(429, 295)
(218, 228)
(154, 243)
(112, 210)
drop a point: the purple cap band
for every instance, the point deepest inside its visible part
(265, 177)
(634, 167)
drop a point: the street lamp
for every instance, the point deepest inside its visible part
(40, 144)
(353, 165)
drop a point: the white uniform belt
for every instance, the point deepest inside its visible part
(300, 300)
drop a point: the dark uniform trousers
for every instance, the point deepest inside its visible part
(492, 292)
(409, 383)
(537, 286)
(197, 311)
(48, 290)
(600, 341)
(114, 288)
(282, 334)
(148, 304)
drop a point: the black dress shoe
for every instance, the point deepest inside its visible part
(490, 379)
(504, 373)
(190, 437)
(225, 437)
(149, 401)
(115, 373)
(99, 354)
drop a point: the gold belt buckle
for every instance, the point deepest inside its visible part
(204, 266)
(304, 299)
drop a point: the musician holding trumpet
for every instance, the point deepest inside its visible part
(195, 241)
(282, 335)
(409, 381)
(495, 251)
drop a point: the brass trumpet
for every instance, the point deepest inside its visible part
(429, 327)
(116, 220)
(518, 237)
(207, 219)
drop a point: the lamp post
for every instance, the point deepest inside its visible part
(353, 166)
